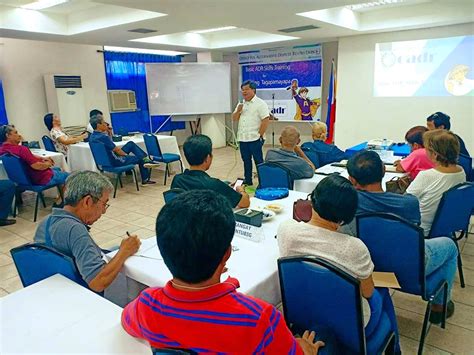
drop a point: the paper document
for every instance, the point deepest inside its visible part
(385, 279)
(329, 169)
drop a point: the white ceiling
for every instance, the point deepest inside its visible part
(106, 22)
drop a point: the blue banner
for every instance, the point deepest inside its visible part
(291, 88)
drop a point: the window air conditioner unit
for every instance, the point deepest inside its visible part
(122, 100)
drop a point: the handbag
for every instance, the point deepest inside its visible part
(302, 210)
(397, 184)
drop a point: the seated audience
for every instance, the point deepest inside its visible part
(440, 120)
(7, 192)
(443, 150)
(290, 155)
(198, 152)
(366, 173)
(320, 152)
(86, 197)
(60, 139)
(41, 171)
(120, 156)
(334, 202)
(96, 112)
(194, 233)
(418, 159)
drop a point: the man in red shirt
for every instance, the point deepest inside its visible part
(39, 169)
(195, 310)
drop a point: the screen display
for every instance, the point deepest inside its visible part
(432, 67)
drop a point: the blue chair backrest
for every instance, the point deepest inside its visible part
(316, 293)
(311, 153)
(15, 169)
(100, 154)
(273, 175)
(454, 210)
(171, 194)
(395, 245)
(36, 262)
(48, 144)
(466, 163)
(152, 145)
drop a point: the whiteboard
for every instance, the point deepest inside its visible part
(188, 88)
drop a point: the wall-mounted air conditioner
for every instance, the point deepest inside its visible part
(122, 100)
(65, 97)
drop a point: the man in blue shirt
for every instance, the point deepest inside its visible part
(120, 156)
(440, 120)
(366, 171)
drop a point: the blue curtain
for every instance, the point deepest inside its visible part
(3, 111)
(126, 71)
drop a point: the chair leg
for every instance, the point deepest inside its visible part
(43, 202)
(424, 330)
(461, 273)
(166, 172)
(116, 184)
(134, 173)
(181, 165)
(60, 191)
(120, 180)
(14, 206)
(445, 305)
(36, 206)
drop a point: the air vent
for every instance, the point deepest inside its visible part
(298, 29)
(67, 81)
(142, 30)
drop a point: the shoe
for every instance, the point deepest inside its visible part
(58, 205)
(151, 165)
(7, 222)
(437, 317)
(148, 182)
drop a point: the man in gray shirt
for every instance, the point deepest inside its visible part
(291, 156)
(66, 230)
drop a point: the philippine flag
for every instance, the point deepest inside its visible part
(331, 115)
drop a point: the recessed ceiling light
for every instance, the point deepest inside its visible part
(372, 4)
(143, 50)
(42, 4)
(209, 30)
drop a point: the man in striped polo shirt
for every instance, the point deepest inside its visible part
(195, 310)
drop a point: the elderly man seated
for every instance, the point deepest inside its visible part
(41, 171)
(290, 155)
(130, 153)
(195, 310)
(86, 197)
(198, 153)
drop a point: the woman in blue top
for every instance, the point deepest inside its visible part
(320, 152)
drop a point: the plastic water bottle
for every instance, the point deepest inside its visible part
(384, 152)
(384, 144)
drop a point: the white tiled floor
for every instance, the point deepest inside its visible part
(136, 212)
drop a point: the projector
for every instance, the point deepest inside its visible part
(379, 144)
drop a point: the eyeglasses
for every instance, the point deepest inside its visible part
(95, 199)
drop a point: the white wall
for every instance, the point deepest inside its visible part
(361, 116)
(23, 65)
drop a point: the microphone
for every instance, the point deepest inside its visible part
(288, 88)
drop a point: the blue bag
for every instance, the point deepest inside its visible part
(271, 193)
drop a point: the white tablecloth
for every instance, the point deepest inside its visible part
(80, 155)
(254, 264)
(58, 316)
(308, 185)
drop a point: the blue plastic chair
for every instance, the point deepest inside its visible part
(397, 245)
(35, 262)
(16, 172)
(171, 194)
(311, 153)
(453, 215)
(155, 154)
(48, 144)
(103, 163)
(274, 175)
(316, 293)
(466, 163)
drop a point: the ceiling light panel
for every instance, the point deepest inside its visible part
(373, 4)
(217, 29)
(43, 4)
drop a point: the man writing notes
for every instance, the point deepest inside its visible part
(253, 116)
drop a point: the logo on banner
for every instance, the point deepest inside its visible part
(279, 110)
